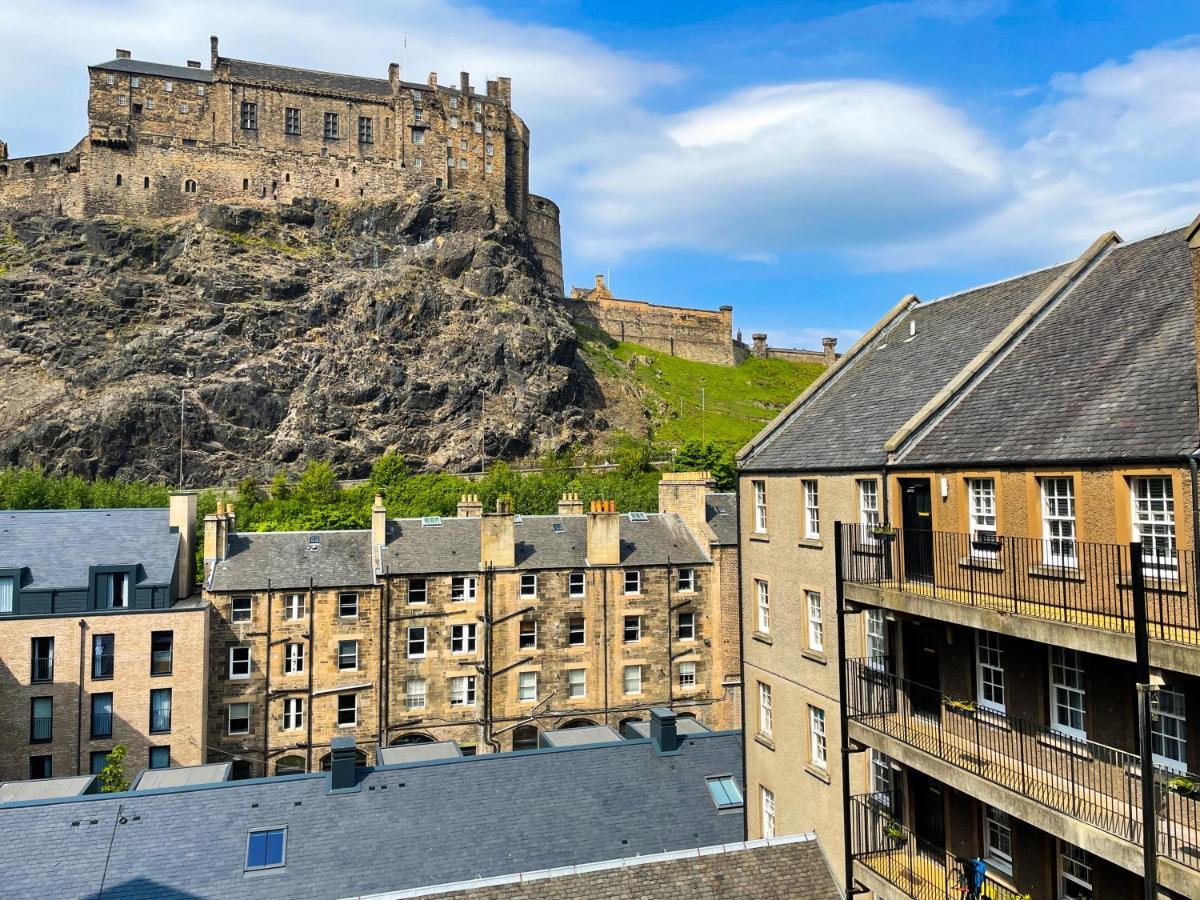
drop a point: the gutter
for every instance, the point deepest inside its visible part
(1193, 459)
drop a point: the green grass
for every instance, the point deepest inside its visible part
(737, 402)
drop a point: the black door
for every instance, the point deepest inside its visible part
(917, 511)
(929, 811)
(922, 673)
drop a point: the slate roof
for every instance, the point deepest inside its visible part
(407, 826)
(847, 421)
(162, 70)
(578, 737)
(283, 559)
(409, 753)
(454, 546)
(1108, 374)
(783, 868)
(59, 545)
(720, 512)
(307, 79)
(180, 776)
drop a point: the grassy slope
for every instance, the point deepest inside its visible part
(738, 402)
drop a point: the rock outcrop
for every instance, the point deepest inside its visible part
(311, 331)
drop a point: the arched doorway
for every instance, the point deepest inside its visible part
(360, 760)
(414, 738)
(290, 765)
(240, 770)
(625, 730)
(580, 723)
(525, 737)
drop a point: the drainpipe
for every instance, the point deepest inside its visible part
(312, 664)
(1192, 464)
(385, 669)
(883, 486)
(737, 519)
(843, 716)
(604, 596)
(267, 689)
(488, 594)
(1145, 695)
(79, 701)
(670, 644)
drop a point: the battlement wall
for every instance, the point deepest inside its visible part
(696, 334)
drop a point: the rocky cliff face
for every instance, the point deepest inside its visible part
(312, 331)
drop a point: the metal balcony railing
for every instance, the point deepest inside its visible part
(1089, 782)
(41, 729)
(102, 725)
(1062, 580)
(917, 867)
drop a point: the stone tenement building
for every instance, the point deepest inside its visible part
(100, 641)
(486, 629)
(165, 139)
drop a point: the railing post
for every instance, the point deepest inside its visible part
(843, 717)
(1145, 692)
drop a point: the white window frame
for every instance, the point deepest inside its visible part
(762, 592)
(1074, 869)
(766, 710)
(465, 636)
(877, 639)
(462, 690)
(409, 641)
(529, 582)
(527, 687)
(632, 677)
(868, 509)
(463, 588)
(293, 607)
(812, 509)
(768, 811)
(293, 713)
(1062, 692)
(342, 598)
(1172, 712)
(293, 658)
(415, 692)
(229, 717)
(1154, 523)
(989, 672)
(574, 578)
(818, 747)
(237, 615)
(522, 635)
(341, 655)
(582, 631)
(981, 516)
(760, 506)
(816, 621)
(233, 661)
(997, 839)
(576, 680)
(636, 623)
(632, 583)
(687, 675)
(1059, 540)
(690, 628)
(340, 710)
(417, 596)
(883, 778)
(686, 581)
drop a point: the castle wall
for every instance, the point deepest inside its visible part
(798, 356)
(695, 334)
(543, 225)
(47, 183)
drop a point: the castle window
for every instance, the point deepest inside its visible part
(189, 187)
(122, 100)
(29, 169)
(490, 149)
(291, 120)
(3, 171)
(479, 128)
(438, 181)
(449, 162)
(149, 104)
(366, 129)
(418, 114)
(146, 183)
(118, 181)
(454, 103)
(337, 182)
(418, 136)
(135, 81)
(287, 177)
(249, 116)
(462, 163)
(137, 109)
(110, 79)
(331, 125)
(462, 144)
(478, 106)
(184, 108)
(168, 86)
(54, 165)
(199, 90)
(487, 167)
(417, 164)
(454, 121)
(189, 142)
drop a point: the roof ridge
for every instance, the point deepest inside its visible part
(78, 509)
(998, 282)
(253, 62)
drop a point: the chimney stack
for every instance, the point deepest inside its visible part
(212, 49)
(394, 77)
(464, 83)
(505, 90)
(216, 537)
(662, 730)
(493, 88)
(683, 493)
(603, 534)
(759, 347)
(342, 762)
(122, 54)
(181, 517)
(378, 522)
(497, 537)
(469, 507)
(433, 79)
(829, 345)
(570, 505)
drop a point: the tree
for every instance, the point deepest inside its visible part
(705, 456)
(112, 776)
(317, 484)
(390, 470)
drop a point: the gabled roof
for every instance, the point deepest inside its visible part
(58, 546)
(404, 827)
(720, 512)
(306, 79)
(283, 560)
(844, 421)
(1109, 373)
(162, 70)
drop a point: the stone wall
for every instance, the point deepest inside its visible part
(544, 229)
(697, 334)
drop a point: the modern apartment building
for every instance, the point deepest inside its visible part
(1008, 476)
(486, 629)
(101, 640)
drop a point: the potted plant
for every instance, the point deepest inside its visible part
(957, 705)
(894, 831)
(1181, 784)
(883, 532)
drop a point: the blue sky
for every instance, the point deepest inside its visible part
(808, 163)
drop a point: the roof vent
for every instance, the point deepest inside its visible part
(638, 517)
(193, 63)
(431, 521)
(314, 542)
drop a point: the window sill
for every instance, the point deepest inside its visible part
(982, 563)
(1074, 746)
(762, 637)
(1058, 573)
(1156, 583)
(871, 553)
(756, 536)
(811, 543)
(765, 741)
(818, 773)
(814, 656)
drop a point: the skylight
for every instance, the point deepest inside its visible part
(518, 519)
(431, 521)
(724, 791)
(558, 529)
(638, 517)
(314, 542)
(266, 849)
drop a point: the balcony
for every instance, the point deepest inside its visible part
(913, 865)
(102, 725)
(1062, 581)
(41, 729)
(1084, 781)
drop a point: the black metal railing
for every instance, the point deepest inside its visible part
(41, 729)
(102, 725)
(1178, 811)
(1062, 580)
(102, 665)
(917, 867)
(161, 662)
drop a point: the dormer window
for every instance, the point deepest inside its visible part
(8, 590)
(112, 590)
